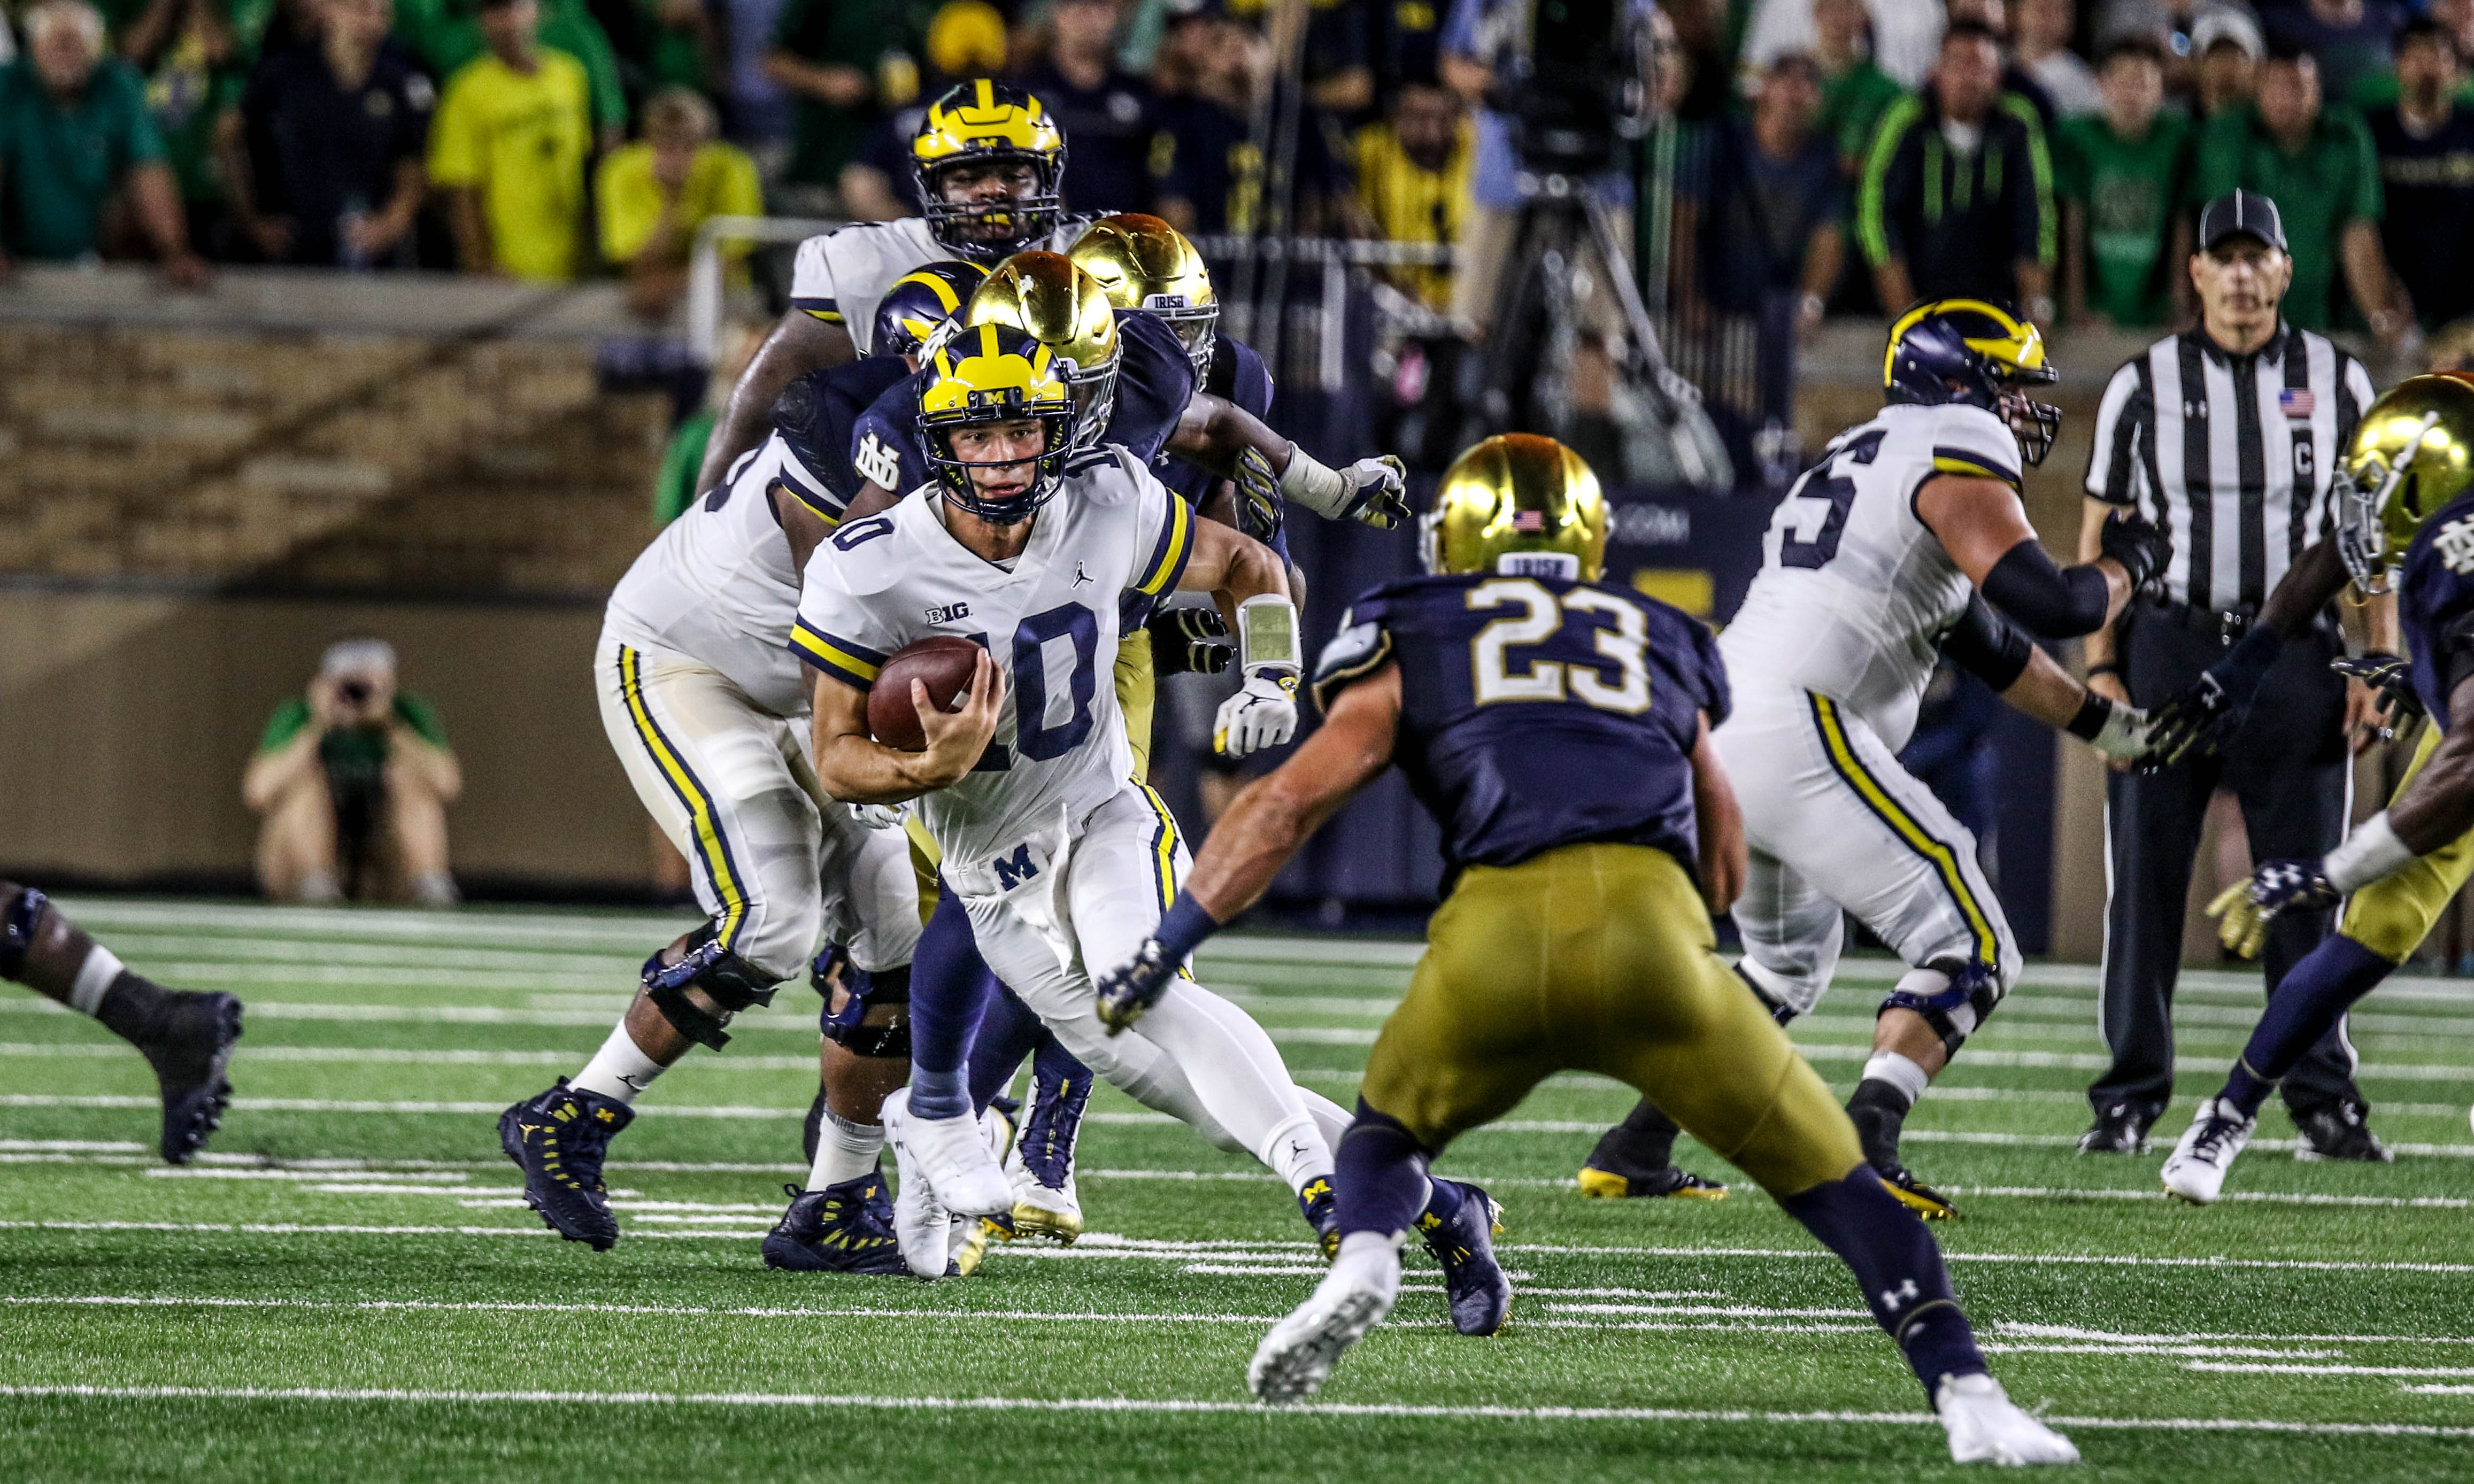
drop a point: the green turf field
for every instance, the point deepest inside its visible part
(346, 1287)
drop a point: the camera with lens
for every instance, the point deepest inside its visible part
(356, 692)
(1580, 85)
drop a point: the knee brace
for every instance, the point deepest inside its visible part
(1971, 989)
(19, 920)
(848, 1027)
(730, 981)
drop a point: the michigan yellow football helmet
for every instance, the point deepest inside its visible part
(983, 122)
(984, 375)
(1972, 351)
(1144, 263)
(2411, 454)
(1520, 504)
(1056, 304)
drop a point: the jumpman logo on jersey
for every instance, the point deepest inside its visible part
(1080, 578)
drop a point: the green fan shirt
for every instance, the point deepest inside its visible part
(2333, 179)
(2130, 191)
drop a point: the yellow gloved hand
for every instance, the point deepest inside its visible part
(2242, 923)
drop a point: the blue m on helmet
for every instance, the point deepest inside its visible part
(1973, 352)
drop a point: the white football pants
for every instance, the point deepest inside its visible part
(1094, 894)
(1835, 822)
(781, 867)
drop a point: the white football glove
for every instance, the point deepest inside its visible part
(1371, 490)
(1263, 713)
(878, 816)
(2125, 735)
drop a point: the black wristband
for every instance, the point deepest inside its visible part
(2091, 718)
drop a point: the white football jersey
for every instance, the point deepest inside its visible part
(840, 276)
(1855, 594)
(717, 584)
(1111, 542)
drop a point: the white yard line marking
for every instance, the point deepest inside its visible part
(2059, 1348)
(683, 1310)
(2260, 1196)
(2002, 1327)
(371, 1106)
(2240, 1368)
(1172, 1405)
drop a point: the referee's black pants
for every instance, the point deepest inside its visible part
(2289, 768)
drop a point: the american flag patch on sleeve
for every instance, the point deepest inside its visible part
(2297, 402)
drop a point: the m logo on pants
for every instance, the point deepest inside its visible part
(1013, 872)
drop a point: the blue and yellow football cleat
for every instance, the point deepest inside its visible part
(1462, 1242)
(1321, 1208)
(558, 1139)
(842, 1228)
(1041, 1164)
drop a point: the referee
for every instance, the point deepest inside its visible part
(2226, 436)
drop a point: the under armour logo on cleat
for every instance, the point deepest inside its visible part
(1892, 1298)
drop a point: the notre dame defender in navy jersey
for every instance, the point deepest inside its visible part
(2404, 505)
(1558, 727)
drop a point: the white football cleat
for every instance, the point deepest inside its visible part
(1986, 1427)
(953, 1153)
(1051, 1211)
(1296, 1357)
(2196, 1169)
(921, 1224)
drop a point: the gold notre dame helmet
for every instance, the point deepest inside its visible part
(1516, 493)
(1046, 297)
(986, 122)
(984, 376)
(2411, 454)
(1144, 263)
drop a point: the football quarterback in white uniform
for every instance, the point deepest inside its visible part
(1062, 858)
(989, 163)
(1880, 560)
(707, 709)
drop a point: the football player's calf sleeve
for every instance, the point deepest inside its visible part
(1898, 1268)
(41, 949)
(950, 990)
(1008, 1033)
(1379, 1177)
(2311, 998)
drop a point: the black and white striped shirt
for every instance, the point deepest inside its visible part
(2231, 454)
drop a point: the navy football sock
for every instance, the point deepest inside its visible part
(2312, 997)
(1008, 1033)
(950, 989)
(1379, 1174)
(1898, 1268)
(1052, 1064)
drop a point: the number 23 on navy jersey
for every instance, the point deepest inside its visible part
(1539, 712)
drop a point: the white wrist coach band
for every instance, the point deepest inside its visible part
(1267, 635)
(2372, 851)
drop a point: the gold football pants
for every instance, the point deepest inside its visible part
(1137, 693)
(2393, 914)
(1601, 959)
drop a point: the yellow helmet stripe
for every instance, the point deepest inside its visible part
(935, 284)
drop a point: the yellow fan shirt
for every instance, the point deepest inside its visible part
(521, 140)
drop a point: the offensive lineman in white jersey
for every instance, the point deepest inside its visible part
(990, 164)
(1061, 857)
(1880, 559)
(707, 710)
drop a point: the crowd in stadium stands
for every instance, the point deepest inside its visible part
(2041, 150)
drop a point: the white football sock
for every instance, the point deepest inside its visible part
(845, 1149)
(1240, 1079)
(619, 1069)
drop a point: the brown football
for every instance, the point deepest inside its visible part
(945, 664)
